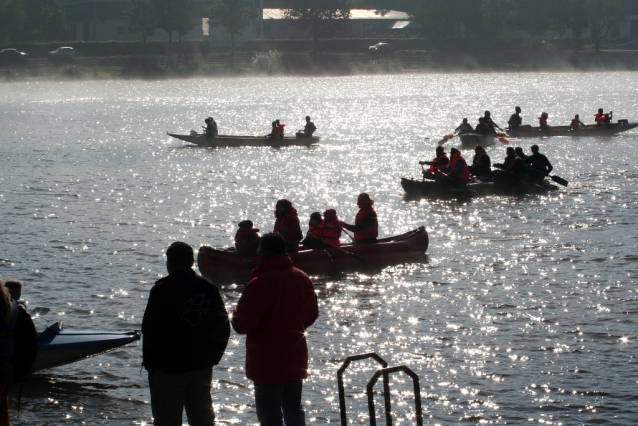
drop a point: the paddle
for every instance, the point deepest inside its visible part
(559, 180)
(446, 138)
(356, 256)
(501, 138)
(346, 232)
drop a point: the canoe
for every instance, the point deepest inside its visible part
(588, 130)
(438, 190)
(222, 266)
(233, 141)
(470, 140)
(59, 347)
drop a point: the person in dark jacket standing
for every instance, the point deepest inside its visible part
(274, 311)
(186, 330)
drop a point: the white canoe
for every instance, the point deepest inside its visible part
(59, 347)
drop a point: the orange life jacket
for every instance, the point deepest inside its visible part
(456, 157)
(330, 233)
(370, 231)
(599, 118)
(435, 169)
(281, 130)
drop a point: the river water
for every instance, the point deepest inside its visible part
(522, 313)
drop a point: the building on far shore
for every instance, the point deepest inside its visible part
(106, 20)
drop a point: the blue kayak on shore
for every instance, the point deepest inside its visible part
(59, 347)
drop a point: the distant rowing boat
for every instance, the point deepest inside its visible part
(233, 141)
(587, 130)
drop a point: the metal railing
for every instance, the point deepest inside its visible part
(385, 372)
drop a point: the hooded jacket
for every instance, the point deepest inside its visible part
(274, 311)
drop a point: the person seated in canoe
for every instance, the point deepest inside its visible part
(542, 122)
(366, 225)
(576, 123)
(308, 130)
(491, 125)
(287, 224)
(15, 290)
(274, 133)
(457, 171)
(511, 168)
(482, 128)
(607, 119)
(539, 164)
(515, 120)
(281, 128)
(440, 160)
(519, 153)
(464, 127)
(481, 166)
(247, 239)
(313, 236)
(600, 117)
(331, 228)
(211, 127)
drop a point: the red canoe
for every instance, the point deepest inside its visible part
(225, 266)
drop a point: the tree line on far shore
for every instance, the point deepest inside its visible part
(439, 19)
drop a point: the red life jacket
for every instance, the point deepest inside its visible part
(435, 169)
(575, 124)
(606, 120)
(330, 233)
(275, 133)
(281, 130)
(289, 228)
(456, 157)
(245, 238)
(370, 231)
(599, 118)
(542, 121)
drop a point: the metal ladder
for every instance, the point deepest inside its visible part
(385, 372)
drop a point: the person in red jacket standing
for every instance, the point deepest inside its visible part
(274, 311)
(366, 226)
(287, 224)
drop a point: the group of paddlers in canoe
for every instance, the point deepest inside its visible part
(455, 171)
(277, 130)
(486, 126)
(321, 232)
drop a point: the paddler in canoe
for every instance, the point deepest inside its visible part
(247, 239)
(482, 128)
(481, 167)
(491, 125)
(308, 130)
(542, 122)
(287, 224)
(515, 120)
(603, 118)
(511, 169)
(440, 160)
(366, 225)
(539, 164)
(457, 172)
(576, 123)
(275, 133)
(464, 127)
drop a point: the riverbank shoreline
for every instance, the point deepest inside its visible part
(159, 67)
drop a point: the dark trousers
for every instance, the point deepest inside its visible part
(172, 392)
(275, 400)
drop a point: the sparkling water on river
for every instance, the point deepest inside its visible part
(523, 311)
